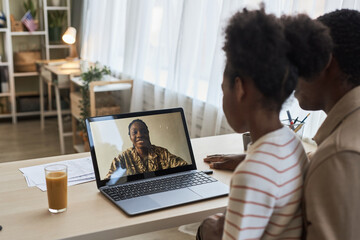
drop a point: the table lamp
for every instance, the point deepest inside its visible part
(69, 37)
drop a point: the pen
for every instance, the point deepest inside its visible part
(296, 119)
(290, 120)
(305, 118)
(289, 116)
(301, 123)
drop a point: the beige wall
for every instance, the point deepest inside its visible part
(111, 137)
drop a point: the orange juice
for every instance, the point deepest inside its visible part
(56, 184)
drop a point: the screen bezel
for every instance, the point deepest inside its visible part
(130, 178)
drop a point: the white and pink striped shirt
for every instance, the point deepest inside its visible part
(266, 190)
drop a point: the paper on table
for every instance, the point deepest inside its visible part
(79, 171)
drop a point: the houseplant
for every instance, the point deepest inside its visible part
(29, 6)
(93, 74)
(56, 22)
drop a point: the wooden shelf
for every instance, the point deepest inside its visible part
(35, 33)
(11, 43)
(58, 46)
(25, 114)
(26, 94)
(59, 8)
(25, 74)
(6, 94)
(5, 115)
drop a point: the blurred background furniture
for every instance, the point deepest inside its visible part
(56, 74)
(108, 96)
(20, 48)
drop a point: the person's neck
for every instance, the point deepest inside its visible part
(262, 122)
(143, 152)
(335, 86)
(338, 88)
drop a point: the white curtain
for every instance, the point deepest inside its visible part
(172, 49)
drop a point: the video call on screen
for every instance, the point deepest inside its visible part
(137, 145)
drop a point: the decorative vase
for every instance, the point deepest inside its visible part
(55, 34)
(55, 2)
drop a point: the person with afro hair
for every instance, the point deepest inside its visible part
(332, 184)
(265, 57)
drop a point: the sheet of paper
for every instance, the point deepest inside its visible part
(79, 171)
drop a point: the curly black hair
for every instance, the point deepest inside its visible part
(265, 49)
(310, 44)
(344, 28)
(140, 121)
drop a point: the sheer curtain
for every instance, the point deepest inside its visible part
(172, 49)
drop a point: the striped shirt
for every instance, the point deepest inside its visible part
(266, 190)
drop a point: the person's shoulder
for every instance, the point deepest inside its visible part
(342, 147)
(157, 147)
(280, 144)
(343, 165)
(347, 136)
(279, 138)
(127, 151)
(277, 156)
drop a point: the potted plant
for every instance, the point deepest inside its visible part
(29, 6)
(56, 23)
(93, 74)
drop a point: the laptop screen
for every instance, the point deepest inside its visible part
(132, 146)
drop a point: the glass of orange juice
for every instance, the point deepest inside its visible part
(56, 184)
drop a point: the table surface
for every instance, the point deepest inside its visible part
(67, 68)
(106, 87)
(24, 213)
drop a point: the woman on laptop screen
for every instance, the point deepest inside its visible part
(264, 58)
(143, 156)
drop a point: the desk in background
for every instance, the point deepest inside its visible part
(112, 105)
(24, 211)
(57, 74)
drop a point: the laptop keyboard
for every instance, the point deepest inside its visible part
(158, 185)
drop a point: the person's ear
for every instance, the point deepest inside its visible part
(332, 69)
(239, 88)
(329, 67)
(331, 59)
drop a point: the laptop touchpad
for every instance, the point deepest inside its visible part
(138, 205)
(158, 200)
(175, 197)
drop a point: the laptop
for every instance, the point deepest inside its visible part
(144, 161)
